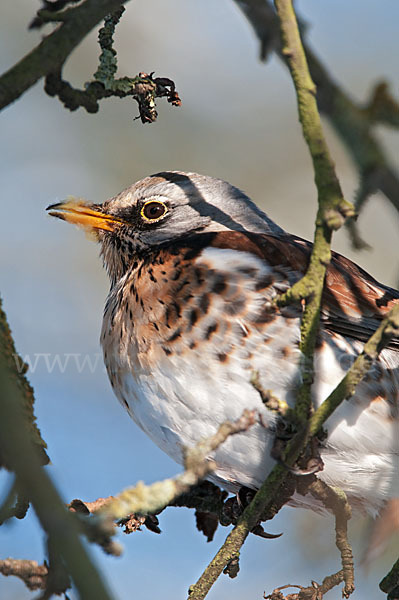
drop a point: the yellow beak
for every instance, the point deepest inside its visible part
(77, 212)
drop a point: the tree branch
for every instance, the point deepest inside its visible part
(332, 208)
(143, 88)
(32, 574)
(390, 583)
(143, 499)
(331, 214)
(388, 329)
(52, 52)
(336, 500)
(14, 505)
(44, 61)
(19, 450)
(352, 122)
(230, 550)
(16, 367)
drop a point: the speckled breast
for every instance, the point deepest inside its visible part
(183, 333)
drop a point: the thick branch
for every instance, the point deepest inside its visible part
(21, 454)
(52, 52)
(17, 369)
(390, 583)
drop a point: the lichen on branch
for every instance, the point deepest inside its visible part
(143, 88)
(48, 58)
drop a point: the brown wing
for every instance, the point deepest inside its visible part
(354, 303)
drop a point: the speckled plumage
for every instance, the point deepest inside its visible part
(189, 320)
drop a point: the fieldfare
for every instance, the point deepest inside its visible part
(194, 267)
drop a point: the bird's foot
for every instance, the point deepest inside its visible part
(309, 463)
(234, 507)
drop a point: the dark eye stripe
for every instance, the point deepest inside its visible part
(153, 210)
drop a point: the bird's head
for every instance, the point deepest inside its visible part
(160, 209)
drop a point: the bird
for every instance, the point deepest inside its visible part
(195, 268)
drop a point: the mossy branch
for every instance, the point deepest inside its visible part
(332, 207)
(351, 121)
(332, 212)
(230, 550)
(48, 58)
(390, 583)
(21, 449)
(273, 485)
(54, 49)
(336, 500)
(143, 88)
(17, 369)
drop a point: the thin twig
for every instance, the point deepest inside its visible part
(14, 505)
(143, 88)
(52, 11)
(7, 505)
(313, 592)
(336, 501)
(148, 499)
(352, 122)
(388, 329)
(332, 207)
(29, 571)
(230, 550)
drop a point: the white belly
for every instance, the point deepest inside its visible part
(184, 399)
(178, 405)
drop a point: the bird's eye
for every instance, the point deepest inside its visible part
(153, 210)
